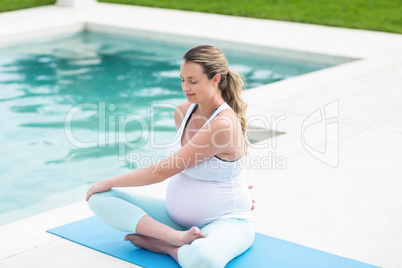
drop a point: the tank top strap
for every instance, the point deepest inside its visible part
(190, 111)
(185, 119)
(192, 107)
(218, 110)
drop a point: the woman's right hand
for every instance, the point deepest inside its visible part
(98, 187)
(252, 200)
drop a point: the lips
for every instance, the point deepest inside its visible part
(189, 95)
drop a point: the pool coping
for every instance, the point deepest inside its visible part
(374, 50)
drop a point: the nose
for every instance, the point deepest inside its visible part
(185, 86)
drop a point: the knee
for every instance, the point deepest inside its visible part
(198, 258)
(93, 199)
(97, 201)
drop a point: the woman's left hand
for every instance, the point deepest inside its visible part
(98, 187)
(252, 200)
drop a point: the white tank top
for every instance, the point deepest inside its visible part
(210, 190)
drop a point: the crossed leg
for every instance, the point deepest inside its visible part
(144, 216)
(226, 239)
(154, 230)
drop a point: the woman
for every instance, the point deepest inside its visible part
(205, 220)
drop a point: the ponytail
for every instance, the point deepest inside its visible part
(232, 96)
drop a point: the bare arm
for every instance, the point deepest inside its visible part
(210, 140)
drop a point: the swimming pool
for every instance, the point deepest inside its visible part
(95, 82)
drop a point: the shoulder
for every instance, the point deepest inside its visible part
(226, 123)
(225, 118)
(180, 112)
(228, 134)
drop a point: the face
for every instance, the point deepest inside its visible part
(195, 83)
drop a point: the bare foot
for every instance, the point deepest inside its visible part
(152, 244)
(149, 227)
(149, 243)
(187, 237)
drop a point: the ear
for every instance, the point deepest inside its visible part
(216, 79)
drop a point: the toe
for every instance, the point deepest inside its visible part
(128, 237)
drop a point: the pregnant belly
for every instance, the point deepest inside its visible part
(191, 202)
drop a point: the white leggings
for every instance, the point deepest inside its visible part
(225, 238)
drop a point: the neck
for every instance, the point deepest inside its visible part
(206, 109)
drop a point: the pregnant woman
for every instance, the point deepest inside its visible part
(205, 220)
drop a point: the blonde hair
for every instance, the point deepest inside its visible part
(231, 85)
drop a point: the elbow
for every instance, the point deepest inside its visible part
(159, 174)
(164, 170)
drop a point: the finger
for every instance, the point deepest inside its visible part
(250, 187)
(89, 193)
(252, 200)
(252, 208)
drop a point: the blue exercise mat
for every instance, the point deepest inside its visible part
(265, 252)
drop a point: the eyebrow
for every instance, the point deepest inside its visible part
(187, 77)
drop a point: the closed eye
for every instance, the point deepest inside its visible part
(190, 82)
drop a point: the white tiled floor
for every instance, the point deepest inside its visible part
(353, 210)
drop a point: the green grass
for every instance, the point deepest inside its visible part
(376, 15)
(9, 5)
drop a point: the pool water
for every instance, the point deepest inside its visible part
(66, 104)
